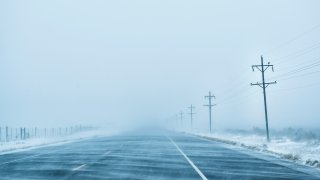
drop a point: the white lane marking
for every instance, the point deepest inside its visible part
(83, 165)
(79, 167)
(107, 153)
(16, 160)
(190, 162)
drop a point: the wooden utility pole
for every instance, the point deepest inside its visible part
(262, 68)
(210, 105)
(191, 115)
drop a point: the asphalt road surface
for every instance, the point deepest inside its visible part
(147, 156)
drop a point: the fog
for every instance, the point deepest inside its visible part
(108, 62)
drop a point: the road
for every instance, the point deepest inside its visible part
(147, 156)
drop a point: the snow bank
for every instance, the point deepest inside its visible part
(296, 145)
(20, 145)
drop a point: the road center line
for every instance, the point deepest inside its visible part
(107, 153)
(83, 165)
(79, 167)
(190, 162)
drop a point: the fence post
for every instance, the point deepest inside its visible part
(7, 134)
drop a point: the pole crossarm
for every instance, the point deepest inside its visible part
(210, 96)
(191, 107)
(208, 105)
(262, 68)
(261, 84)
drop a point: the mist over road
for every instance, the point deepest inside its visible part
(146, 156)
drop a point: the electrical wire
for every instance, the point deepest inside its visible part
(296, 88)
(302, 75)
(300, 69)
(296, 54)
(293, 39)
(240, 98)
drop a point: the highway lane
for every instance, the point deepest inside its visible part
(147, 156)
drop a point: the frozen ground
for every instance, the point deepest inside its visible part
(298, 145)
(20, 145)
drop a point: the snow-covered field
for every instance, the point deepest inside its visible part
(20, 145)
(298, 145)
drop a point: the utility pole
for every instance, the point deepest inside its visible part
(7, 134)
(262, 68)
(210, 105)
(191, 115)
(177, 121)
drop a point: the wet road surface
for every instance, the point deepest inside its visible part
(147, 156)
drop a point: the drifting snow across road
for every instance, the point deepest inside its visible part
(21, 145)
(297, 145)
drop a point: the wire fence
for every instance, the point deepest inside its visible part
(8, 134)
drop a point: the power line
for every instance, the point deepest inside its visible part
(294, 38)
(237, 103)
(240, 98)
(296, 88)
(235, 88)
(235, 94)
(300, 64)
(299, 53)
(301, 75)
(262, 68)
(300, 69)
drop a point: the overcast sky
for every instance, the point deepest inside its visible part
(94, 62)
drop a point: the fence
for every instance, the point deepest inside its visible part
(8, 134)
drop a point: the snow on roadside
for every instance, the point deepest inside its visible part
(20, 145)
(300, 150)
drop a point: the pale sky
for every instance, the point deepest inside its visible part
(94, 62)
